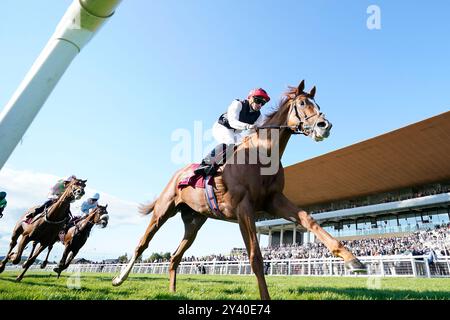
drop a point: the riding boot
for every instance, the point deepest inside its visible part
(214, 160)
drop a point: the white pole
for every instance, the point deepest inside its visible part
(79, 24)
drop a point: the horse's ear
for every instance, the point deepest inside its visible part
(312, 93)
(106, 206)
(301, 87)
(84, 181)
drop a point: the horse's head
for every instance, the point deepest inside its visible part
(75, 188)
(101, 216)
(304, 114)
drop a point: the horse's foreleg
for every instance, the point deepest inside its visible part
(281, 206)
(161, 213)
(16, 234)
(192, 223)
(246, 220)
(29, 262)
(18, 255)
(44, 263)
(32, 252)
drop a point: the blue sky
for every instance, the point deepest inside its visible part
(159, 66)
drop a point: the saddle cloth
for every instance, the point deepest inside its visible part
(193, 180)
(198, 181)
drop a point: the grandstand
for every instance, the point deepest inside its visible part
(388, 186)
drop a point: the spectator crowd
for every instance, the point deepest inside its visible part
(417, 243)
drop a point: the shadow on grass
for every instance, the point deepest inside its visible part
(207, 280)
(169, 296)
(143, 278)
(179, 279)
(238, 290)
(376, 294)
(12, 274)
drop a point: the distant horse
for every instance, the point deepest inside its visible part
(77, 236)
(244, 193)
(44, 228)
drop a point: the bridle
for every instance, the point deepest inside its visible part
(301, 127)
(78, 227)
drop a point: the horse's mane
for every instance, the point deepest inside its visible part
(291, 92)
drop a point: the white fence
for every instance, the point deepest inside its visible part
(384, 266)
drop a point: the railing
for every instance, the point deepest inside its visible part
(383, 266)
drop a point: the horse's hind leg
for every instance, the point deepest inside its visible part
(16, 234)
(22, 244)
(164, 209)
(192, 223)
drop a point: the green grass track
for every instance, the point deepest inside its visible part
(87, 286)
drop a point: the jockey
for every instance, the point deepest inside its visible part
(86, 206)
(89, 204)
(3, 202)
(55, 192)
(229, 129)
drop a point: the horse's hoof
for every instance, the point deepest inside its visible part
(18, 279)
(43, 265)
(2, 268)
(116, 282)
(355, 266)
(56, 270)
(14, 259)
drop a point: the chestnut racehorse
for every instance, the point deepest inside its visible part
(244, 193)
(44, 229)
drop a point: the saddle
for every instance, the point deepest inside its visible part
(199, 181)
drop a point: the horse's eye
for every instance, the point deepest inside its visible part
(302, 103)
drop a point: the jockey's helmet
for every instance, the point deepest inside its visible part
(2, 195)
(259, 92)
(69, 178)
(96, 196)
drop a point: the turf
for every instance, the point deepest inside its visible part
(87, 286)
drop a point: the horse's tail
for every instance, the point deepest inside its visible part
(146, 209)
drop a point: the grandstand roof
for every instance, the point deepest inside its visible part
(417, 154)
